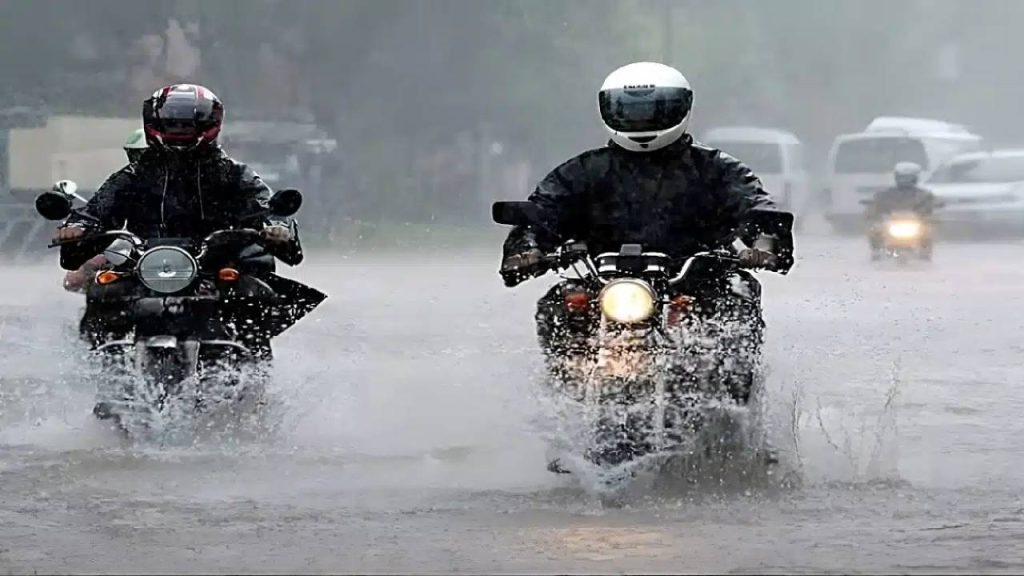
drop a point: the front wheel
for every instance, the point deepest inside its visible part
(618, 439)
(164, 374)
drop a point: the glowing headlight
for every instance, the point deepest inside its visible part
(167, 269)
(905, 229)
(628, 301)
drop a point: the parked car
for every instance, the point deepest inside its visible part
(861, 164)
(775, 155)
(982, 193)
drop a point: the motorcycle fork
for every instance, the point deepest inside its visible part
(151, 357)
(641, 348)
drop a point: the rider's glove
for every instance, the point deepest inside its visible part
(519, 267)
(755, 258)
(276, 234)
(68, 232)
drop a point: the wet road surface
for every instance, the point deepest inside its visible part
(411, 440)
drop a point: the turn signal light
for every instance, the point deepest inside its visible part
(679, 308)
(107, 277)
(228, 275)
(682, 303)
(577, 301)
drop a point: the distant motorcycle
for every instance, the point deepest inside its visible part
(901, 236)
(635, 348)
(181, 303)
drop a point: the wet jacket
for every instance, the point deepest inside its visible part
(680, 200)
(912, 198)
(180, 196)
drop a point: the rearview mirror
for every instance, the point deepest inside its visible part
(285, 202)
(516, 213)
(53, 205)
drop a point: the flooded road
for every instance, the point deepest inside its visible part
(411, 439)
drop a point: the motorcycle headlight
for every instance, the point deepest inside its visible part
(628, 301)
(167, 269)
(905, 229)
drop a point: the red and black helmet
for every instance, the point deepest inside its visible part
(182, 117)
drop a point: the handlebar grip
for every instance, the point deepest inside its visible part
(83, 238)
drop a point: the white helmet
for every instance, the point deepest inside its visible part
(906, 173)
(645, 106)
(135, 145)
(136, 140)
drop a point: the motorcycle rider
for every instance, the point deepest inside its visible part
(907, 196)
(653, 185)
(183, 185)
(135, 145)
(77, 280)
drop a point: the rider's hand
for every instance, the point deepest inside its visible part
(68, 233)
(517, 267)
(276, 234)
(754, 258)
(77, 280)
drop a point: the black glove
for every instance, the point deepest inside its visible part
(518, 267)
(754, 258)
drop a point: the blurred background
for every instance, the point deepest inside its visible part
(398, 115)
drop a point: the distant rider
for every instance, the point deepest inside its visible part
(905, 196)
(77, 280)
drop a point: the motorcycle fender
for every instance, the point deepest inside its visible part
(186, 350)
(164, 342)
(624, 364)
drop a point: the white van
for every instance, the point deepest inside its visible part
(776, 156)
(862, 164)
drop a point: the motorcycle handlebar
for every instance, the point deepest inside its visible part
(565, 258)
(87, 237)
(237, 236)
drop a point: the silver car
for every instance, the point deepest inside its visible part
(981, 192)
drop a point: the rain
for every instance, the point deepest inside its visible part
(406, 424)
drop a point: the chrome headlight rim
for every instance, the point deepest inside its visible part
(158, 285)
(645, 309)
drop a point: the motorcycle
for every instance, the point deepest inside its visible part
(182, 310)
(636, 349)
(901, 236)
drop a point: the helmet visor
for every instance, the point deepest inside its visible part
(644, 109)
(183, 117)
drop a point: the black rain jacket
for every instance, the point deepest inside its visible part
(167, 195)
(679, 200)
(912, 198)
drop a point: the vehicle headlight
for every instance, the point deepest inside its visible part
(167, 269)
(628, 301)
(905, 229)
